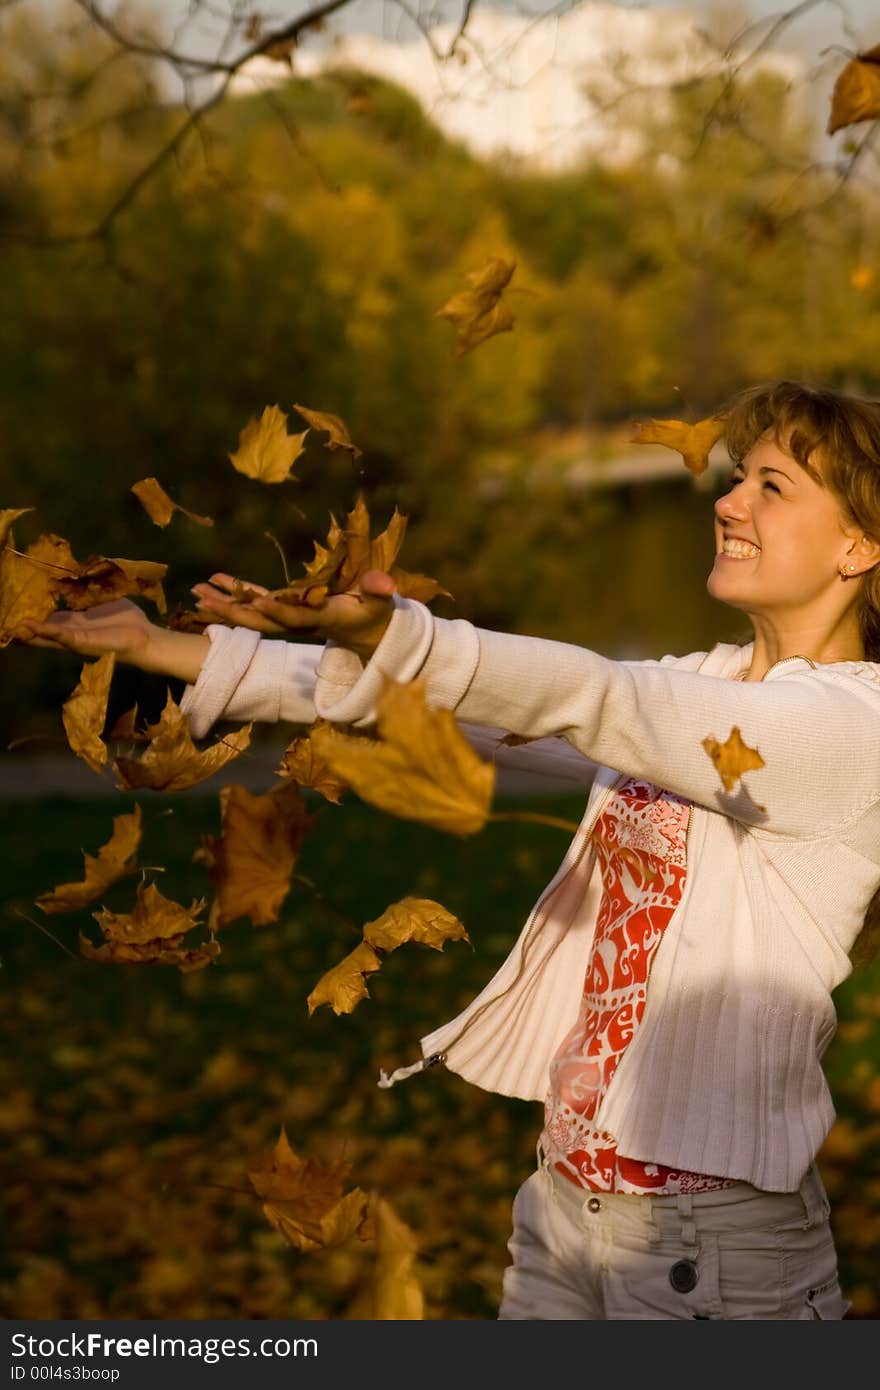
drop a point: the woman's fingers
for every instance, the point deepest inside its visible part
(378, 582)
(211, 600)
(228, 581)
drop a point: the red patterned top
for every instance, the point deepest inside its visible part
(641, 845)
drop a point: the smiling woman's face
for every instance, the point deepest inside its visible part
(796, 525)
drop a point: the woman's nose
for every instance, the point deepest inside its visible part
(731, 505)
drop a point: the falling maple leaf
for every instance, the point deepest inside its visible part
(151, 934)
(172, 762)
(344, 985)
(393, 1291)
(99, 579)
(856, 94)
(732, 758)
(303, 1199)
(693, 442)
(265, 450)
(126, 728)
(414, 919)
(30, 582)
(479, 312)
(159, 506)
(252, 860)
(422, 767)
(112, 862)
(332, 425)
(85, 712)
(301, 763)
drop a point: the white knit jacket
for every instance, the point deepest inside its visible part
(724, 1073)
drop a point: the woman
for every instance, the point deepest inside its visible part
(669, 998)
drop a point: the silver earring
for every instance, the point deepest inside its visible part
(844, 576)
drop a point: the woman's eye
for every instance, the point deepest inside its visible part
(766, 483)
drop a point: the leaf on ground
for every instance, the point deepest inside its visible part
(733, 757)
(856, 94)
(303, 765)
(252, 860)
(414, 919)
(151, 934)
(693, 442)
(393, 1292)
(304, 1199)
(344, 986)
(112, 862)
(265, 450)
(85, 712)
(422, 767)
(479, 312)
(333, 426)
(172, 762)
(159, 506)
(30, 583)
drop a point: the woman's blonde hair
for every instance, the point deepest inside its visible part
(835, 438)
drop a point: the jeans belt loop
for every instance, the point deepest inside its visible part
(685, 1205)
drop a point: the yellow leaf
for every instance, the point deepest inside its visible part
(422, 769)
(113, 860)
(344, 986)
(303, 1199)
(733, 757)
(151, 934)
(479, 312)
(159, 506)
(302, 764)
(394, 1292)
(30, 582)
(333, 426)
(265, 450)
(414, 919)
(693, 442)
(856, 94)
(99, 579)
(85, 712)
(172, 762)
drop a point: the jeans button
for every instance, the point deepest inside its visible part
(683, 1276)
(594, 1204)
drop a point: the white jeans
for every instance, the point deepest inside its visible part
(736, 1252)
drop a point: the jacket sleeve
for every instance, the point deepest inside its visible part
(816, 729)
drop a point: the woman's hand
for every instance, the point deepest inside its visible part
(356, 620)
(119, 626)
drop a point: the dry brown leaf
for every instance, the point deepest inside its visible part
(112, 862)
(303, 1199)
(172, 761)
(8, 517)
(344, 986)
(333, 426)
(302, 764)
(417, 586)
(856, 94)
(151, 934)
(422, 769)
(159, 506)
(394, 1292)
(126, 728)
(187, 620)
(253, 858)
(693, 442)
(733, 757)
(414, 919)
(265, 450)
(99, 579)
(479, 312)
(85, 712)
(30, 583)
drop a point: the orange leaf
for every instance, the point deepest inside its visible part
(113, 860)
(151, 934)
(303, 1199)
(303, 765)
(393, 1292)
(856, 94)
(414, 919)
(252, 860)
(30, 582)
(85, 712)
(693, 442)
(172, 761)
(159, 506)
(99, 579)
(733, 757)
(265, 450)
